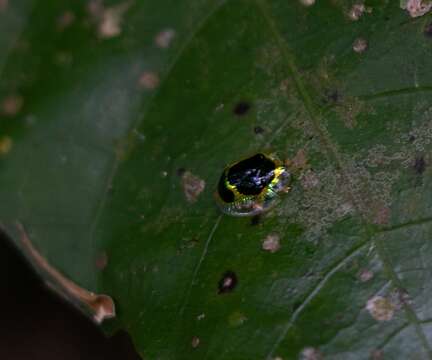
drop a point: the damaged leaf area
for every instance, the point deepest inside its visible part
(98, 307)
(118, 117)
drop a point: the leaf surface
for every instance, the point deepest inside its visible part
(106, 107)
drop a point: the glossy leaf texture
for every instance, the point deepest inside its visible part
(119, 117)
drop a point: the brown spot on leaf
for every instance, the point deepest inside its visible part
(377, 354)
(416, 8)
(193, 186)
(299, 161)
(228, 282)
(3, 5)
(382, 215)
(5, 145)
(380, 308)
(102, 260)
(310, 353)
(195, 342)
(109, 20)
(356, 11)
(65, 20)
(309, 180)
(148, 80)
(271, 243)
(164, 38)
(365, 275)
(360, 45)
(307, 2)
(12, 105)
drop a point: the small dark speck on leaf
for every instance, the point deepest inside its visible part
(428, 30)
(258, 130)
(296, 305)
(228, 282)
(256, 220)
(241, 108)
(181, 171)
(332, 96)
(419, 165)
(411, 139)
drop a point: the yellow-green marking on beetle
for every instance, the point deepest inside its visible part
(252, 185)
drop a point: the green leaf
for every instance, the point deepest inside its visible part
(118, 119)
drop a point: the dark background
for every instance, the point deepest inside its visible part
(35, 324)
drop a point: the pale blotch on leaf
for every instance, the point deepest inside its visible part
(380, 308)
(236, 319)
(382, 216)
(299, 161)
(110, 20)
(307, 2)
(271, 243)
(309, 180)
(12, 104)
(360, 45)
(365, 275)
(416, 8)
(195, 342)
(356, 11)
(200, 317)
(5, 145)
(164, 38)
(148, 80)
(277, 358)
(192, 185)
(310, 353)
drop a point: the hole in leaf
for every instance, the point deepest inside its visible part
(258, 130)
(419, 165)
(228, 282)
(241, 108)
